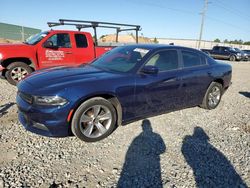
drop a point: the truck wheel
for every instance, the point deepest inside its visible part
(94, 120)
(212, 97)
(16, 71)
(232, 58)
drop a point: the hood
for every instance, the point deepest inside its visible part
(64, 77)
(20, 50)
(13, 45)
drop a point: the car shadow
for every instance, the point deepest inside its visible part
(142, 163)
(4, 108)
(245, 93)
(210, 167)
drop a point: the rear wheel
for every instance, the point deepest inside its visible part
(213, 96)
(16, 71)
(95, 119)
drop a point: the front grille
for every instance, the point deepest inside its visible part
(28, 98)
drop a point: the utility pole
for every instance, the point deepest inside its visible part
(202, 22)
(22, 32)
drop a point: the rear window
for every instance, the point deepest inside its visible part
(81, 41)
(192, 59)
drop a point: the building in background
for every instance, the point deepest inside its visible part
(193, 43)
(16, 32)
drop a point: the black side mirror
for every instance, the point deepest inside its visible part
(149, 69)
(48, 44)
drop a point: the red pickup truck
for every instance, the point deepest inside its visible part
(52, 48)
(46, 49)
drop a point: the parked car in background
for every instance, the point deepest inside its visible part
(124, 85)
(248, 53)
(243, 54)
(222, 52)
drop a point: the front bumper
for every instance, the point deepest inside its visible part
(239, 57)
(45, 121)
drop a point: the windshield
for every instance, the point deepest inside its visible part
(121, 59)
(36, 38)
(237, 50)
(231, 49)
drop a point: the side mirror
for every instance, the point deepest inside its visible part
(149, 69)
(48, 44)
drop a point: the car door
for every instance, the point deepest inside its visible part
(160, 92)
(60, 52)
(196, 77)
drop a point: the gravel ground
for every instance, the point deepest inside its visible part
(187, 148)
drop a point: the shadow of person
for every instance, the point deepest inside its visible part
(142, 164)
(5, 107)
(210, 167)
(245, 93)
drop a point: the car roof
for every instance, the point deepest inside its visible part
(162, 46)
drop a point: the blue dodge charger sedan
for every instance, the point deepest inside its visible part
(124, 85)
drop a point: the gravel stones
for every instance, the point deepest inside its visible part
(187, 148)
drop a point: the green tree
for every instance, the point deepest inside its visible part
(226, 41)
(247, 43)
(217, 40)
(156, 41)
(236, 41)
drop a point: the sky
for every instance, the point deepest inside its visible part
(181, 19)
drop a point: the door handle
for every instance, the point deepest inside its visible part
(68, 52)
(173, 79)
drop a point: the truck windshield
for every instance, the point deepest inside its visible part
(237, 49)
(36, 38)
(121, 59)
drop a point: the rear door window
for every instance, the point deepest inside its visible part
(192, 59)
(81, 41)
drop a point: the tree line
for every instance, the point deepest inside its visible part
(233, 41)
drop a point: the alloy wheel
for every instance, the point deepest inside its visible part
(95, 121)
(18, 73)
(214, 96)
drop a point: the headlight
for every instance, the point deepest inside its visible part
(50, 100)
(238, 54)
(1, 56)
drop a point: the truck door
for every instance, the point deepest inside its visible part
(56, 51)
(84, 51)
(216, 52)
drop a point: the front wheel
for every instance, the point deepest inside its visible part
(232, 58)
(95, 119)
(16, 71)
(213, 96)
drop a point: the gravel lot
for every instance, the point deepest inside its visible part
(187, 148)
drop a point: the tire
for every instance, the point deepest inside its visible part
(232, 58)
(87, 124)
(213, 96)
(16, 71)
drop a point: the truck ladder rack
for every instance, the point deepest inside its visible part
(81, 24)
